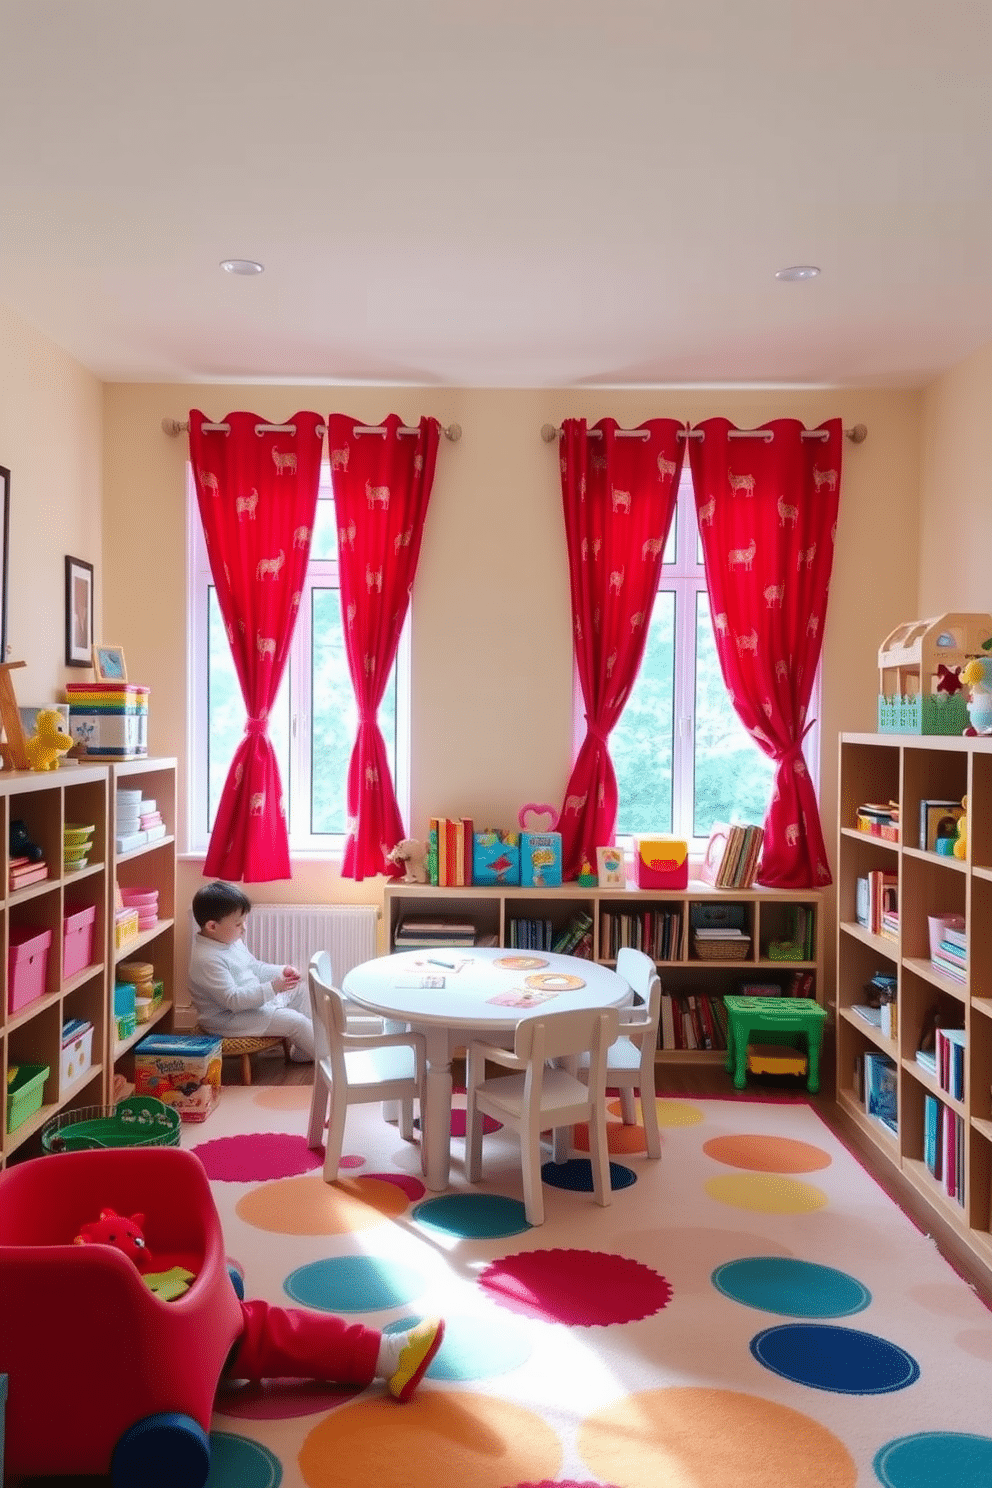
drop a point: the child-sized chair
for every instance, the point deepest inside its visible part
(104, 1376)
(630, 1061)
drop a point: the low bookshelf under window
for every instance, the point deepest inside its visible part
(772, 940)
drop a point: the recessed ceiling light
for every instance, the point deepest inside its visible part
(798, 271)
(241, 266)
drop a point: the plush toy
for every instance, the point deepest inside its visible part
(413, 856)
(961, 841)
(48, 741)
(978, 677)
(20, 843)
(126, 1235)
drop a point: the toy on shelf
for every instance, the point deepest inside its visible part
(20, 844)
(412, 857)
(961, 841)
(977, 676)
(47, 742)
(920, 668)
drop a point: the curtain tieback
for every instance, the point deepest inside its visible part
(793, 752)
(255, 727)
(595, 732)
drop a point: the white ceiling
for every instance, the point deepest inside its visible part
(500, 193)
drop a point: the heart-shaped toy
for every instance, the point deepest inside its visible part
(537, 818)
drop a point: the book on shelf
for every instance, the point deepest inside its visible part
(879, 819)
(938, 819)
(881, 1090)
(927, 1061)
(569, 935)
(950, 1046)
(414, 934)
(931, 1134)
(872, 1015)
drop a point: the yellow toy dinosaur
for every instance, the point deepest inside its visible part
(47, 742)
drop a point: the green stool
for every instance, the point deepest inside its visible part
(787, 1015)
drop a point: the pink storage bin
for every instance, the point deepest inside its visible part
(27, 965)
(77, 939)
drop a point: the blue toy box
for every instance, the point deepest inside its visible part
(540, 859)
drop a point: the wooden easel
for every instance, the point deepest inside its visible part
(12, 751)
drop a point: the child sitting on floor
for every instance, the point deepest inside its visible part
(234, 993)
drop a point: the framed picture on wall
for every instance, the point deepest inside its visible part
(108, 663)
(5, 523)
(78, 612)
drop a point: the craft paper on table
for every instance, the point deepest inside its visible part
(521, 997)
(419, 981)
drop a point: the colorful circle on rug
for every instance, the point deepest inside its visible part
(766, 1154)
(283, 1097)
(257, 1157)
(473, 1216)
(351, 1160)
(412, 1187)
(462, 1436)
(670, 1112)
(842, 1360)
(354, 1284)
(719, 1438)
(520, 963)
(489, 1123)
(791, 1287)
(566, 1483)
(308, 1206)
(765, 1193)
(239, 1462)
(621, 1140)
(935, 1459)
(583, 1288)
(575, 1174)
(280, 1399)
(474, 1348)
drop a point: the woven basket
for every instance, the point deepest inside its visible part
(734, 949)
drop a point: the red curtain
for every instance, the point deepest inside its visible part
(257, 494)
(618, 492)
(382, 487)
(767, 511)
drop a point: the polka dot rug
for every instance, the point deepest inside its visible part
(749, 1311)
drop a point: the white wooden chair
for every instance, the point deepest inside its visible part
(355, 1068)
(359, 1021)
(539, 1096)
(630, 1061)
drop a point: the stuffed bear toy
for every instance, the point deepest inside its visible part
(20, 843)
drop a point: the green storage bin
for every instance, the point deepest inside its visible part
(24, 1093)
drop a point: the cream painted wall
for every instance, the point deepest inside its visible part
(51, 440)
(956, 490)
(492, 668)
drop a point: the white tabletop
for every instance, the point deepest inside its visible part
(472, 978)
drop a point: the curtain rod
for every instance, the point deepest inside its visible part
(857, 435)
(173, 427)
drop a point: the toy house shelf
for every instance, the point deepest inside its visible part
(31, 1032)
(912, 770)
(658, 921)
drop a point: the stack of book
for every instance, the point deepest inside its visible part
(879, 819)
(878, 903)
(943, 1146)
(950, 957)
(950, 1046)
(692, 1020)
(731, 858)
(656, 932)
(449, 851)
(21, 872)
(421, 934)
(575, 939)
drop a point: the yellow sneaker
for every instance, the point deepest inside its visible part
(415, 1358)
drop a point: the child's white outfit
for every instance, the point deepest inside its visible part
(233, 995)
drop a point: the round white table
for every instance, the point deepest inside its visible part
(468, 1006)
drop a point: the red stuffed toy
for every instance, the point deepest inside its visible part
(126, 1235)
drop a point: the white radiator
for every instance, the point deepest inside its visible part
(289, 934)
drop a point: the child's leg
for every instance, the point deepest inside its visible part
(293, 1021)
(291, 1343)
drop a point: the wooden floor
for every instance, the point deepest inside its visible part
(678, 1078)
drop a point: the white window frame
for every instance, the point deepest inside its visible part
(685, 577)
(322, 574)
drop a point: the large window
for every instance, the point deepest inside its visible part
(683, 758)
(313, 724)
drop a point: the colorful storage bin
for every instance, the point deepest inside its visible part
(24, 1092)
(110, 718)
(661, 862)
(27, 965)
(77, 938)
(181, 1070)
(77, 1052)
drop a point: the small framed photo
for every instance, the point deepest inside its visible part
(108, 663)
(78, 612)
(611, 871)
